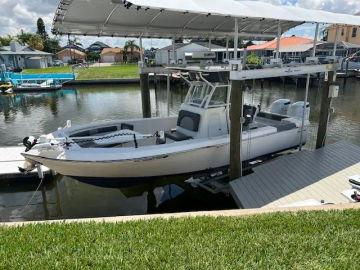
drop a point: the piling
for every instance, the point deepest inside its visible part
(236, 128)
(324, 110)
(145, 95)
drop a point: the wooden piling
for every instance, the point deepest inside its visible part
(324, 111)
(145, 95)
(236, 109)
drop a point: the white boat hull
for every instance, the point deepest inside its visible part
(199, 156)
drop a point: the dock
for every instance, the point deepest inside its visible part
(10, 160)
(300, 178)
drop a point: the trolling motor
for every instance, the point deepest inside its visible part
(29, 142)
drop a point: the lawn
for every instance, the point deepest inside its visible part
(111, 72)
(65, 69)
(95, 73)
(307, 240)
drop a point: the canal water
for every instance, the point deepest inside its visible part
(63, 197)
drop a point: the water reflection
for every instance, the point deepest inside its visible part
(64, 197)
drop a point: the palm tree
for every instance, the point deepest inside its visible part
(131, 45)
(72, 43)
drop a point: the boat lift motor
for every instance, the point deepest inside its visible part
(280, 106)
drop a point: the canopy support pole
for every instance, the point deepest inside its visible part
(236, 39)
(336, 41)
(141, 50)
(236, 101)
(168, 93)
(278, 41)
(227, 47)
(307, 88)
(173, 51)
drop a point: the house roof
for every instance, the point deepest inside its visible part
(111, 51)
(181, 45)
(73, 46)
(23, 50)
(72, 51)
(100, 44)
(284, 43)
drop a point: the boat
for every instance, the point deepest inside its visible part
(196, 140)
(46, 85)
(5, 86)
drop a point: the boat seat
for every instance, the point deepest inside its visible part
(188, 120)
(176, 136)
(126, 126)
(249, 113)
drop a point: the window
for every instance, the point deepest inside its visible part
(342, 32)
(354, 32)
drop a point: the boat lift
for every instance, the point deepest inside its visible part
(210, 19)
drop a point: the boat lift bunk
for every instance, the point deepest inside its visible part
(228, 18)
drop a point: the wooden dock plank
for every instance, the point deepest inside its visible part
(12, 153)
(321, 174)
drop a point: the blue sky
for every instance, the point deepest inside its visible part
(22, 14)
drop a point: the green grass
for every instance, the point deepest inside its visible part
(65, 69)
(95, 73)
(308, 240)
(111, 72)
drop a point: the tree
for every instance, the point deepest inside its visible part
(131, 45)
(5, 41)
(92, 56)
(253, 59)
(52, 45)
(41, 31)
(35, 42)
(74, 41)
(24, 37)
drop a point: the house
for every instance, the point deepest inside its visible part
(350, 34)
(74, 46)
(164, 55)
(289, 47)
(97, 47)
(111, 55)
(67, 55)
(22, 56)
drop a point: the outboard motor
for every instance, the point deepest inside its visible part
(280, 106)
(296, 110)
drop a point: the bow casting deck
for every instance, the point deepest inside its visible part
(321, 175)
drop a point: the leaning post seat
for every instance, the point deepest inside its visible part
(249, 112)
(187, 121)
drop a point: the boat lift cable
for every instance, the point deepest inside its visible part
(33, 195)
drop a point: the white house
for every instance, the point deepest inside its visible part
(17, 55)
(164, 55)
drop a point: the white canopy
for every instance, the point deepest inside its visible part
(184, 18)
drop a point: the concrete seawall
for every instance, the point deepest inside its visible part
(221, 213)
